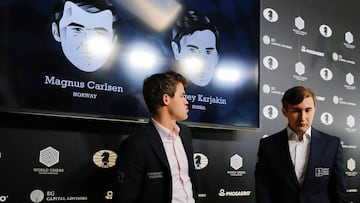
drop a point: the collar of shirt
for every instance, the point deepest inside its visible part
(164, 132)
(292, 135)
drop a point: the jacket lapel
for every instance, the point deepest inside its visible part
(283, 147)
(314, 155)
(156, 143)
(186, 144)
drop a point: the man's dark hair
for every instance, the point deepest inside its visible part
(190, 22)
(157, 85)
(296, 95)
(91, 6)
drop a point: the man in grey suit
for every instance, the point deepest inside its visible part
(156, 164)
(300, 164)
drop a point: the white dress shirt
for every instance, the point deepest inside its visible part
(299, 152)
(181, 184)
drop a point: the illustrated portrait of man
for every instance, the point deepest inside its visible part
(86, 30)
(195, 46)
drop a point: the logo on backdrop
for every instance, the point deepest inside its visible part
(49, 196)
(200, 161)
(325, 31)
(270, 112)
(109, 195)
(4, 198)
(349, 39)
(270, 62)
(350, 122)
(326, 74)
(270, 15)
(352, 190)
(267, 89)
(346, 146)
(300, 25)
(105, 158)
(320, 98)
(270, 40)
(326, 118)
(236, 162)
(350, 80)
(339, 57)
(266, 39)
(300, 70)
(49, 157)
(312, 51)
(351, 166)
(340, 100)
(238, 193)
(37, 196)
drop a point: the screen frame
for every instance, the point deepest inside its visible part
(130, 119)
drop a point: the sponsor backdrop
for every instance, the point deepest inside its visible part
(312, 43)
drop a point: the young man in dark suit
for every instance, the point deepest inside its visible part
(156, 165)
(300, 164)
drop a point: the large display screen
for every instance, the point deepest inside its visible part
(88, 58)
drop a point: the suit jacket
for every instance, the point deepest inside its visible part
(275, 178)
(143, 171)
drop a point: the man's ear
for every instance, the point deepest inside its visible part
(175, 49)
(165, 99)
(283, 110)
(55, 32)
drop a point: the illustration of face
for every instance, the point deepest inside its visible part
(87, 39)
(197, 57)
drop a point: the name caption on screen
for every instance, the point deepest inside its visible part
(92, 85)
(205, 99)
